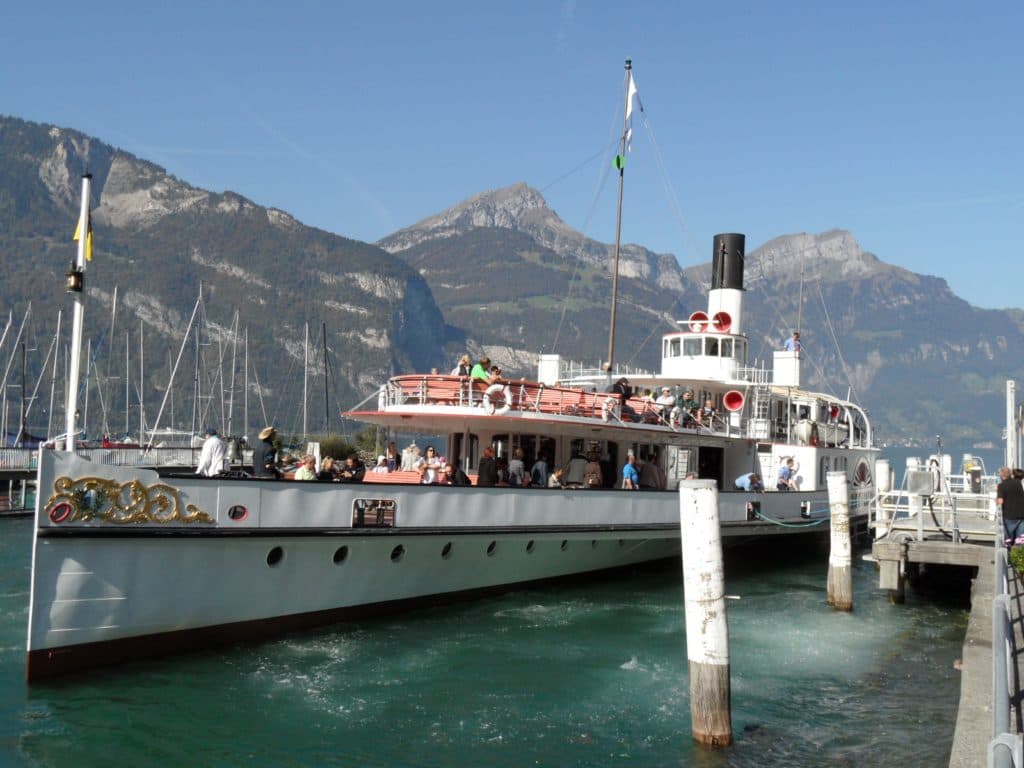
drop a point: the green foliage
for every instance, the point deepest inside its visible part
(1017, 559)
(335, 446)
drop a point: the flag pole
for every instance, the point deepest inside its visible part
(620, 162)
(76, 286)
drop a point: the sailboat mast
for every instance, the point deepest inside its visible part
(127, 379)
(76, 287)
(620, 161)
(53, 380)
(141, 387)
(327, 409)
(245, 400)
(21, 426)
(305, 383)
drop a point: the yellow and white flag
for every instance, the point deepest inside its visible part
(88, 236)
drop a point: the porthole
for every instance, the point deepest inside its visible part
(238, 512)
(446, 551)
(397, 553)
(340, 555)
(529, 546)
(491, 547)
(565, 544)
(275, 556)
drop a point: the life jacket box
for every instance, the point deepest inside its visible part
(920, 482)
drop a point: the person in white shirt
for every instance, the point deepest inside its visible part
(211, 458)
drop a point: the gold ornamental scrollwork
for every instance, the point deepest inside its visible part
(96, 498)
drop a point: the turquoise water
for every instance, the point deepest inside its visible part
(591, 674)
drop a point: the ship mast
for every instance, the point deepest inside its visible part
(76, 286)
(620, 163)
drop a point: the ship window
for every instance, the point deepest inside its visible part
(826, 464)
(692, 347)
(673, 348)
(740, 348)
(726, 347)
(711, 347)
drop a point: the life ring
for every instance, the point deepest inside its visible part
(496, 389)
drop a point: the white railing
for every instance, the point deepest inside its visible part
(25, 458)
(953, 510)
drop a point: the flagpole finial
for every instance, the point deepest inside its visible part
(629, 63)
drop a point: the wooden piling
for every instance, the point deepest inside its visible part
(707, 631)
(840, 572)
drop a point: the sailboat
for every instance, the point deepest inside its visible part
(131, 562)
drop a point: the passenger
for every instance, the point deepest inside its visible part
(516, 468)
(307, 468)
(647, 472)
(482, 369)
(1010, 498)
(630, 478)
(211, 458)
(556, 479)
(382, 465)
(429, 466)
(326, 473)
(392, 455)
(575, 471)
(464, 368)
(410, 456)
(750, 482)
(453, 475)
(706, 415)
(786, 478)
(665, 402)
(592, 477)
(622, 387)
(487, 471)
(264, 455)
(539, 472)
(793, 343)
(353, 471)
(688, 408)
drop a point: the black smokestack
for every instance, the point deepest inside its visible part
(727, 261)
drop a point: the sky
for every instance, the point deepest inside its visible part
(900, 122)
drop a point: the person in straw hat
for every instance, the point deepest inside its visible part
(264, 454)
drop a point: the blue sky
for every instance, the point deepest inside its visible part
(901, 122)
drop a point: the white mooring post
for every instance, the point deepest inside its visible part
(840, 573)
(707, 631)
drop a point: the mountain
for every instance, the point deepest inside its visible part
(158, 239)
(922, 360)
(499, 273)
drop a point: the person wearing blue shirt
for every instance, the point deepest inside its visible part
(793, 344)
(750, 482)
(786, 479)
(630, 477)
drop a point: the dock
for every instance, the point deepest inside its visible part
(941, 519)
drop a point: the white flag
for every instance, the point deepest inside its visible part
(630, 96)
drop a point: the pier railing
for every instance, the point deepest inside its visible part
(1005, 749)
(932, 505)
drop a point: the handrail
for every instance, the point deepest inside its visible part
(1005, 748)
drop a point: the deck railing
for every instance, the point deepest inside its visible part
(535, 397)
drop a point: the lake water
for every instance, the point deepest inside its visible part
(589, 674)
